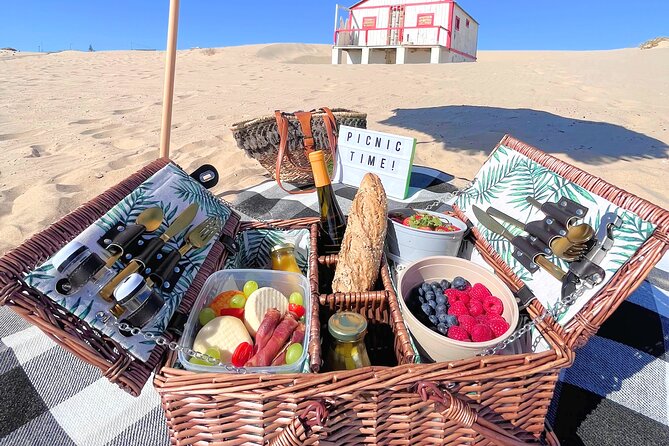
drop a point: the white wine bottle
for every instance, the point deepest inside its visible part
(333, 222)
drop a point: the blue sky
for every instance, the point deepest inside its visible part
(512, 24)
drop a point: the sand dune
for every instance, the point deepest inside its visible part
(72, 124)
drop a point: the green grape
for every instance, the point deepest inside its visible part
(293, 353)
(237, 301)
(213, 352)
(206, 315)
(194, 360)
(296, 298)
(250, 287)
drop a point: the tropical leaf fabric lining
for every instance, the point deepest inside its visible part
(256, 245)
(504, 182)
(171, 189)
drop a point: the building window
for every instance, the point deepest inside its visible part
(467, 23)
(457, 23)
(369, 22)
(425, 19)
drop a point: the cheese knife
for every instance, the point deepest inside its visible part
(496, 227)
(152, 247)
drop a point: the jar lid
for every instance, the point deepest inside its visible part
(283, 246)
(347, 326)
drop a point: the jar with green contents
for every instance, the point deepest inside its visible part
(347, 351)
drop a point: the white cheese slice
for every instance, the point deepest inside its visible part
(224, 333)
(257, 305)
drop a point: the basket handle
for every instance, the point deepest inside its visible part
(299, 429)
(282, 126)
(460, 412)
(304, 118)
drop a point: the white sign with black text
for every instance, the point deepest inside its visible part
(389, 156)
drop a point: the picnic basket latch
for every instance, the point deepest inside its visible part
(460, 412)
(300, 428)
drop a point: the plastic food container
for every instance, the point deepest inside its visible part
(234, 279)
(406, 244)
(439, 347)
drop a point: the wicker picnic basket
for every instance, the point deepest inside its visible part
(260, 139)
(482, 400)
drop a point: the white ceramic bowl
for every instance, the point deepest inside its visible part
(433, 269)
(408, 244)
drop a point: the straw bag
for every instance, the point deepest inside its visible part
(282, 142)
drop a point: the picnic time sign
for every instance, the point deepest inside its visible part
(388, 156)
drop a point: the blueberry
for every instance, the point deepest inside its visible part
(441, 299)
(433, 328)
(459, 283)
(434, 284)
(426, 287)
(445, 284)
(443, 318)
(422, 299)
(432, 304)
(430, 295)
(434, 320)
(441, 309)
(421, 291)
(443, 329)
(451, 320)
(426, 309)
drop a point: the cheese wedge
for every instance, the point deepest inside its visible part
(257, 305)
(224, 333)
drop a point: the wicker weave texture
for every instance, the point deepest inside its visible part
(64, 328)
(259, 138)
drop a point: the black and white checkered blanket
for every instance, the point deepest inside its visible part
(615, 394)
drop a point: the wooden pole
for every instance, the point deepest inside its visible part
(168, 87)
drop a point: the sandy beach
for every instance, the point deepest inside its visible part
(72, 124)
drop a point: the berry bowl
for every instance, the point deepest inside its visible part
(413, 235)
(454, 308)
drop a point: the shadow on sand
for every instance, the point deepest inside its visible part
(478, 129)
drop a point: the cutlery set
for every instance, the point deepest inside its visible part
(558, 234)
(148, 268)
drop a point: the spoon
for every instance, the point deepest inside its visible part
(151, 219)
(580, 233)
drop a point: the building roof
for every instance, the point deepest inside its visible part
(452, 1)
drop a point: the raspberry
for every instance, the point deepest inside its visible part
(458, 309)
(467, 322)
(479, 292)
(458, 333)
(482, 319)
(493, 305)
(475, 308)
(481, 333)
(454, 295)
(499, 327)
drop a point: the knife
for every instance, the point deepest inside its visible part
(153, 246)
(496, 227)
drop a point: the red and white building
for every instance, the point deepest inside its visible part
(404, 31)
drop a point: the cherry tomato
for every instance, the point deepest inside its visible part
(297, 310)
(426, 228)
(407, 221)
(242, 354)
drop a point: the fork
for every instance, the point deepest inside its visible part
(201, 234)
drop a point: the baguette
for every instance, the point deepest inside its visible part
(362, 246)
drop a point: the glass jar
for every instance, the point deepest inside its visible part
(347, 350)
(283, 258)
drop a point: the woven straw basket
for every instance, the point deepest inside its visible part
(259, 138)
(482, 400)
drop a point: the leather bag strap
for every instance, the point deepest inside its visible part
(282, 126)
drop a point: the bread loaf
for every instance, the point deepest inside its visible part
(362, 246)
